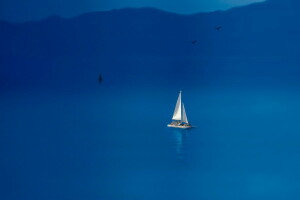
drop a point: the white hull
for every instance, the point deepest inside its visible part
(179, 126)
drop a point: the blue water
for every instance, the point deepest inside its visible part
(112, 143)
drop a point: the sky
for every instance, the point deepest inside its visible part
(28, 10)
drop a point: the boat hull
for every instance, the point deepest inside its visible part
(179, 126)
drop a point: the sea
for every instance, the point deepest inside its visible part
(111, 142)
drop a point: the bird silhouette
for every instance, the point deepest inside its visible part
(218, 28)
(100, 79)
(194, 41)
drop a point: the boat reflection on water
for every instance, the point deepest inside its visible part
(180, 138)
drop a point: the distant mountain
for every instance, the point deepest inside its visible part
(151, 46)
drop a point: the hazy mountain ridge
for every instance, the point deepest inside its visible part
(137, 42)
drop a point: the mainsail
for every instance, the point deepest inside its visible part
(177, 112)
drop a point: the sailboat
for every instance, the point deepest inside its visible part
(179, 119)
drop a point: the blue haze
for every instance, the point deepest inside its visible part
(20, 10)
(64, 135)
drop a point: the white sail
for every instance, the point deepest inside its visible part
(179, 117)
(184, 117)
(177, 112)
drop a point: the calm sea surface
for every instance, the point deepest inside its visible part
(113, 144)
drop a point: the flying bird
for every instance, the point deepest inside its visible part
(194, 41)
(218, 28)
(100, 79)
